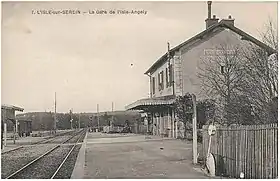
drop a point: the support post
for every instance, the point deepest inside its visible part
(2, 134)
(194, 124)
(17, 127)
(158, 126)
(176, 129)
(169, 122)
(173, 124)
(14, 136)
(97, 107)
(5, 134)
(154, 122)
(161, 118)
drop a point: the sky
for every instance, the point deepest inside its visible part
(90, 59)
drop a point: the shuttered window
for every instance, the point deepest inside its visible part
(167, 77)
(159, 85)
(153, 85)
(170, 75)
(162, 80)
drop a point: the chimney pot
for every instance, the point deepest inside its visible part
(229, 17)
(209, 9)
(210, 21)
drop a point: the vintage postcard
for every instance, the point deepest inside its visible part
(139, 90)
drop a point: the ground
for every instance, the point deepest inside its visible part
(138, 156)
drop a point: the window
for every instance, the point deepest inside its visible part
(167, 77)
(159, 84)
(160, 81)
(170, 75)
(153, 85)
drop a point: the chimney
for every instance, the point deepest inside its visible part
(209, 9)
(210, 21)
(228, 21)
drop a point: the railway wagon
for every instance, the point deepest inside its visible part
(24, 127)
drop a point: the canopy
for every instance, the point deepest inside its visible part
(151, 102)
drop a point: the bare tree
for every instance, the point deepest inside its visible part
(244, 80)
(221, 75)
(270, 34)
(261, 82)
(183, 109)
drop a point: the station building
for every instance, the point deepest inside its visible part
(175, 72)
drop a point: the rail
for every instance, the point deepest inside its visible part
(46, 153)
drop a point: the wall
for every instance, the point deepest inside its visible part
(187, 60)
(191, 58)
(166, 91)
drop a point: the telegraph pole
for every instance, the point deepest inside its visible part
(79, 121)
(54, 124)
(194, 123)
(71, 118)
(112, 112)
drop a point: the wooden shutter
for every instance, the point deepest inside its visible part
(159, 88)
(162, 79)
(167, 81)
(170, 74)
(153, 85)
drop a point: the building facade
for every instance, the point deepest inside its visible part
(175, 73)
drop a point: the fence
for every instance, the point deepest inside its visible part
(115, 129)
(252, 150)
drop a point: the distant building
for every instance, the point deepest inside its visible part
(175, 72)
(8, 117)
(24, 126)
(8, 113)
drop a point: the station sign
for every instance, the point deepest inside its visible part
(212, 130)
(218, 52)
(144, 115)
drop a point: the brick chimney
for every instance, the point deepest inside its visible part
(210, 21)
(228, 21)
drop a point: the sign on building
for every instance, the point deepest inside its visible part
(217, 52)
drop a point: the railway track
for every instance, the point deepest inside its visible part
(49, 164)
(47, 140)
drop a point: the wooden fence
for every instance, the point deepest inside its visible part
(252, 150)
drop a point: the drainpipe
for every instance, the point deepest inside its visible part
(173, 75)
(172, 71)
(150, 84)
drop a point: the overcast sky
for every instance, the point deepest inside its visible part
(89, 59)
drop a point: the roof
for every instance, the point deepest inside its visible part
(139, 104)
(5, 106)
(201, 35)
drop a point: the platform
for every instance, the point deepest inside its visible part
(115, 156)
